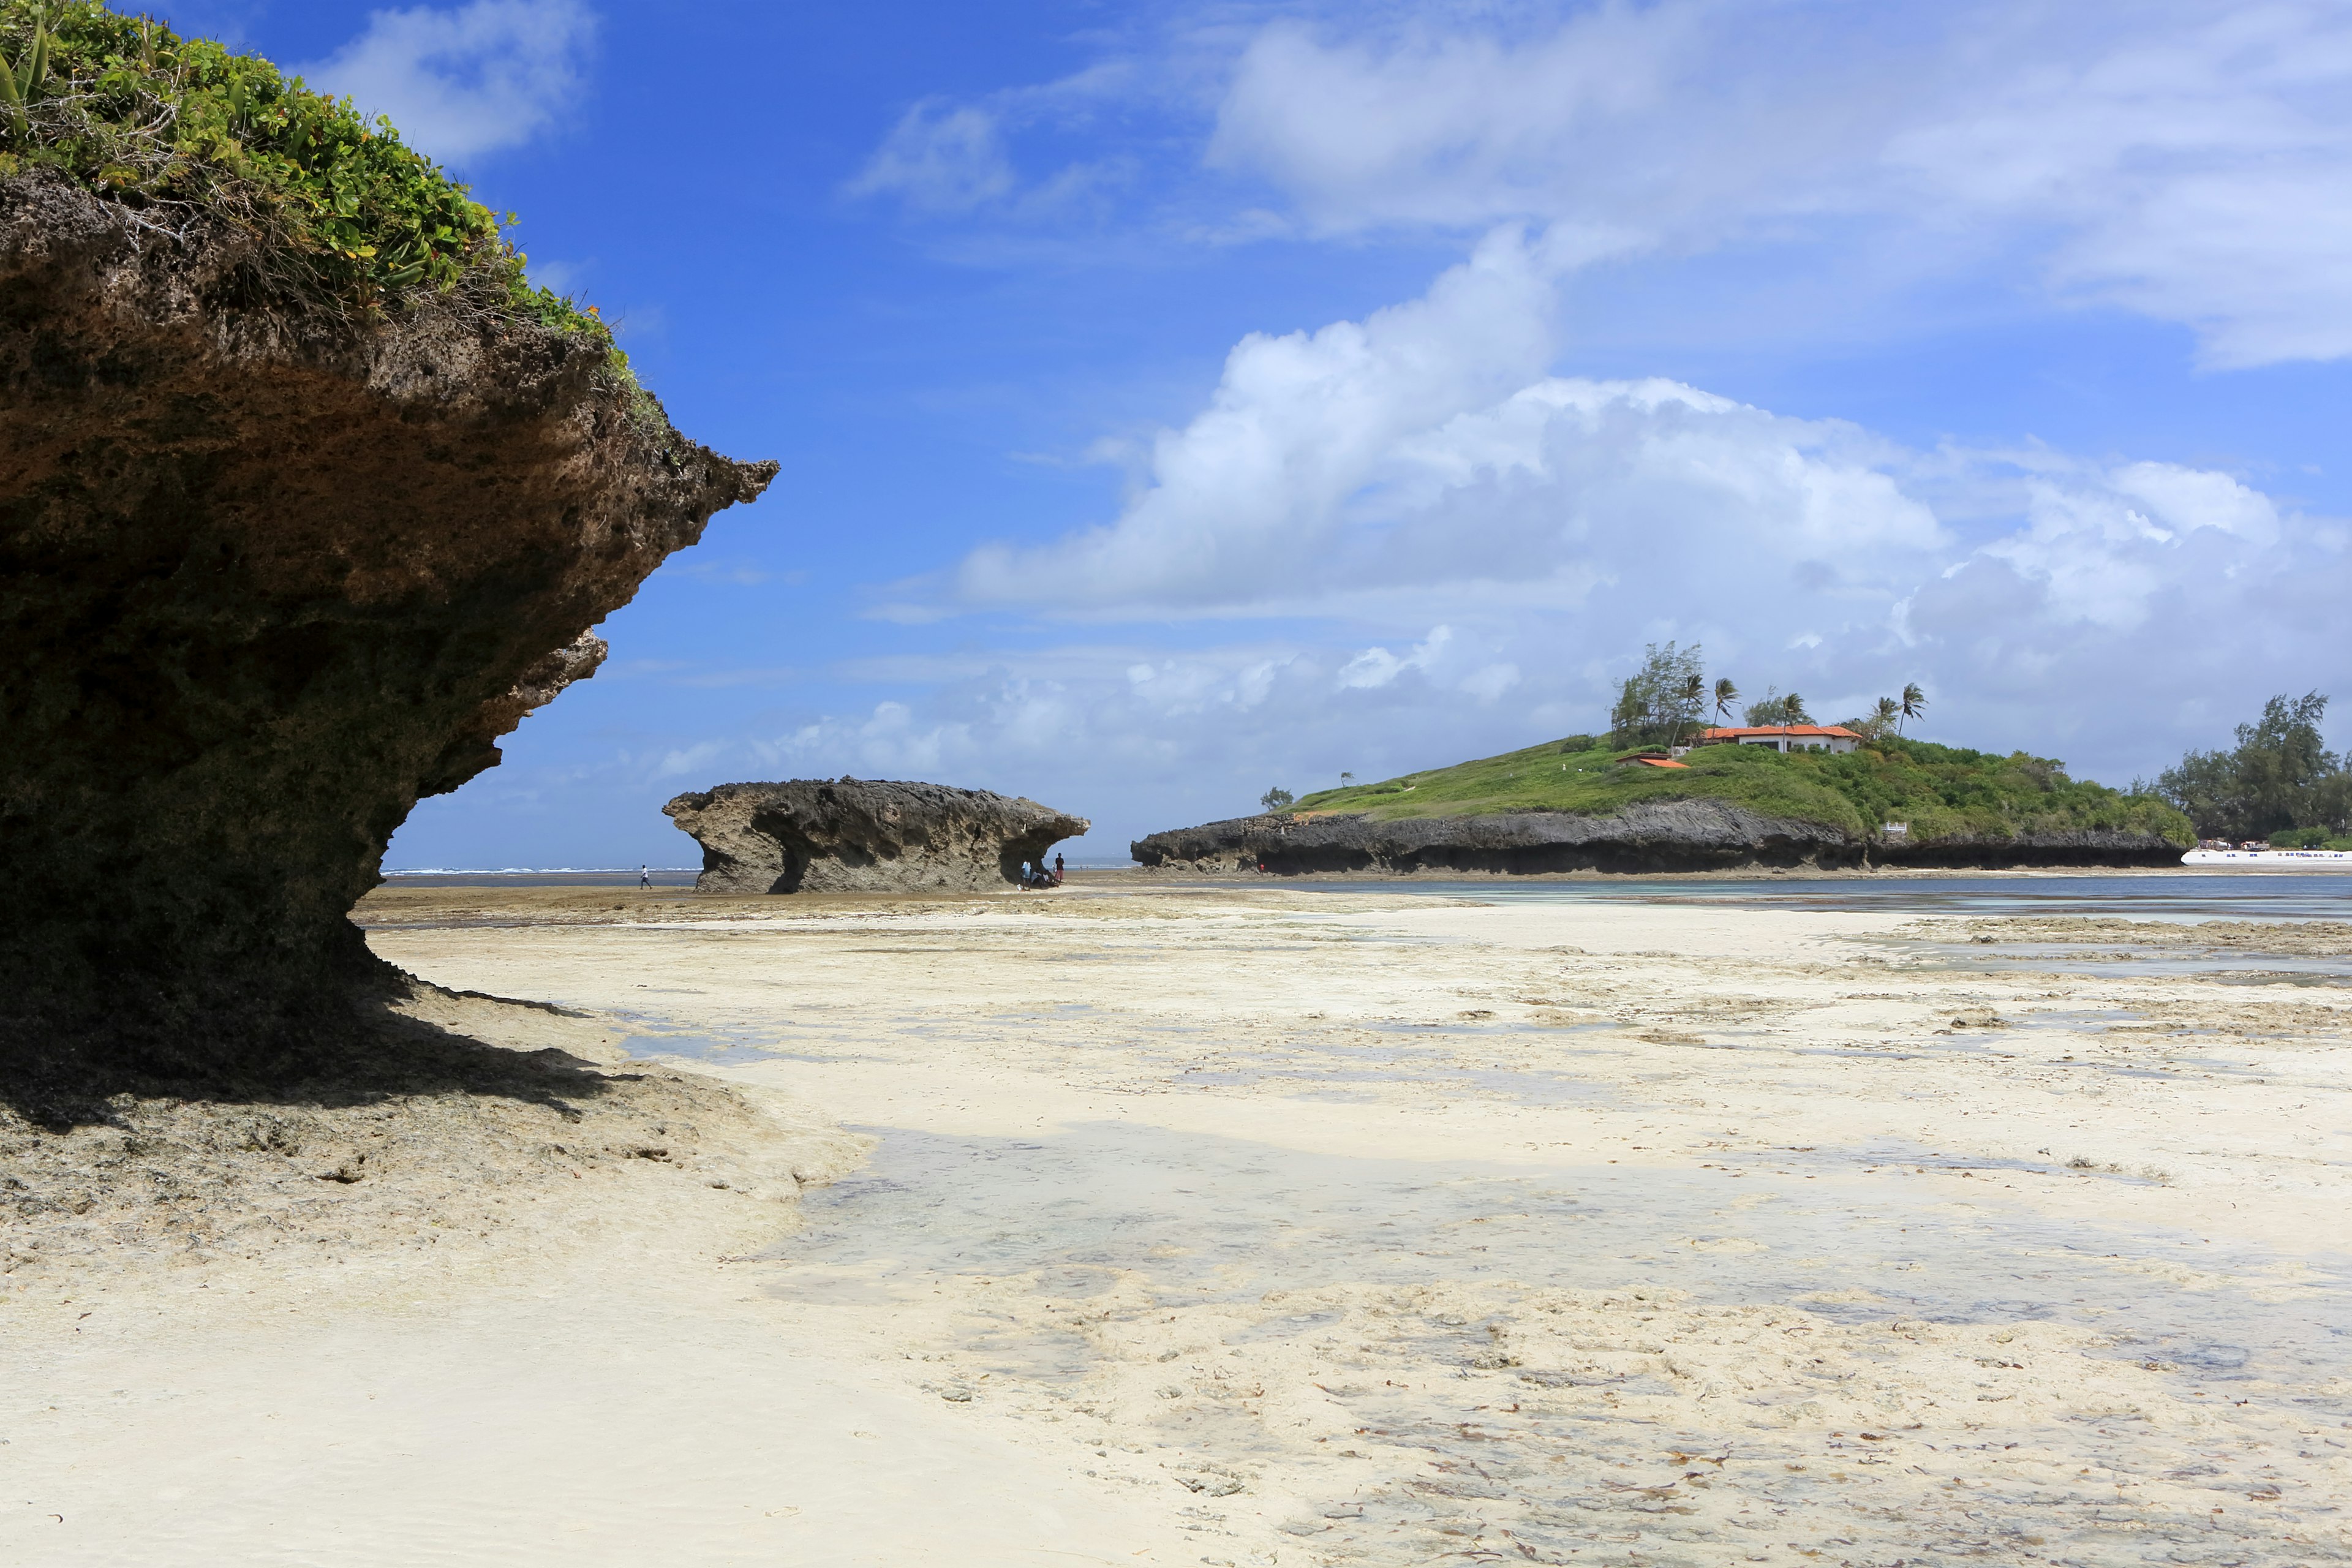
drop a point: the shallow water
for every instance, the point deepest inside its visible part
(2121, 958)
(1387, 1283)
(2199, 895)
(696, 1048)
(1216, 1219)
(1496, 1341)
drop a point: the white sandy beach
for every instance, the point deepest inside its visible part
(1263, 1225)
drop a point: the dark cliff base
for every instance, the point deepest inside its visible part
(1665, 836)
(864, 836)
(267, 576)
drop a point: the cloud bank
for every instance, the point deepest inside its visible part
(2185, 160)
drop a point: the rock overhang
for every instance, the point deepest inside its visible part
(864, 835)
(269, 574)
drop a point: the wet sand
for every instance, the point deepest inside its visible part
(1148, 1224)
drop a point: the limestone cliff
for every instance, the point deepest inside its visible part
(863, 835)
(269, 573)
(1661, 835)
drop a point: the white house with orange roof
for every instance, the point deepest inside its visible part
(1783, 737)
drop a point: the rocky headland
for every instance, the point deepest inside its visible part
(1647, 836)
(864, 836)
(274, 569)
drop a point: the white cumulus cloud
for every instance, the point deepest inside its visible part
(1377, 667)
(462, 82)
(1420, 459)
(1252, 492)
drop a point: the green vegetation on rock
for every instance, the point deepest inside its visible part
(170, 129)
(1943, 793)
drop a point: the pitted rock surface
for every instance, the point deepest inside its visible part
(267, 576)
(1652, 835)
(865, 835)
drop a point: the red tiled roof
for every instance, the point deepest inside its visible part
(1658, 762)
(1803, 732)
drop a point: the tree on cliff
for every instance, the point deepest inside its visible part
(1776, 709)
(1276, 799)
(1689, 706)
(1881, 719)
(1658, 701)
(2281, 776)
(1914, 702)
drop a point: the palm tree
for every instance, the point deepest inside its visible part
(1725, 694)
(1888, 715)
(1792, 710)
(1913, 700)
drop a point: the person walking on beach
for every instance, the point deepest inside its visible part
(1058, 870)
(645, 875)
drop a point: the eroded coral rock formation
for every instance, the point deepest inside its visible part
(863, 834)
(267, 576)
(1661, 835)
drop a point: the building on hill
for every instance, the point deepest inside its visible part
(1783, 737)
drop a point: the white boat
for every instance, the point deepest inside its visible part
(2272, 859)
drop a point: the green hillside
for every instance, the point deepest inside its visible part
(1943, 792)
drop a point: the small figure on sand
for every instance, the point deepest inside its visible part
(645, 876)
(1058, 870)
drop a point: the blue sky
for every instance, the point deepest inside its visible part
(1178, 400)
